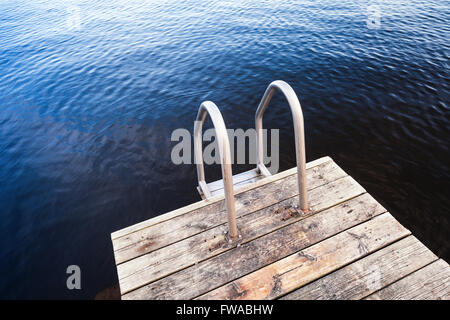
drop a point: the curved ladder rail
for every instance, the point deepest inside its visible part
(297, 117)
(208, 107)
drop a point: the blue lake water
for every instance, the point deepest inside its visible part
(90, 92)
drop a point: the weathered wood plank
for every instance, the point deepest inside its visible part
(254, 255)
(197, 205)
(313, 262)
(168, 232)
(159, 263)
(369, 274)
(429, 283)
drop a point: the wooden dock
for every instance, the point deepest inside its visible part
(347, 247)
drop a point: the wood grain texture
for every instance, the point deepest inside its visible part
(160, 263)
(369, 274)
(429, 283)
(348, 247)
(297, 270)
(260, 252)
(168, 232)
(239, 180)
(197, 205)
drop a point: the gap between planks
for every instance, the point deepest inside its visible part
(431, 282)
(305, 266)
(369, 274)
(257, 253)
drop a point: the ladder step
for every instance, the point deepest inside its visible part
(239, 180)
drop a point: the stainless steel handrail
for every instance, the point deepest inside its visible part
(297, 117)
(208, 107)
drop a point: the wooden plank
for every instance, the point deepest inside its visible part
(429, 283)
(160, 263)
(369, 274)
(168, 232)
(254, 255)
(197, 205)
(313, 262)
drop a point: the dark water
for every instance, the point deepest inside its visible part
(86, 115)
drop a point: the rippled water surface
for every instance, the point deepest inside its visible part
(88, 103)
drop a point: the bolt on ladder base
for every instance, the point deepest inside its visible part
(236, 241)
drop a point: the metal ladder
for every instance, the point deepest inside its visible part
(228, 181)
